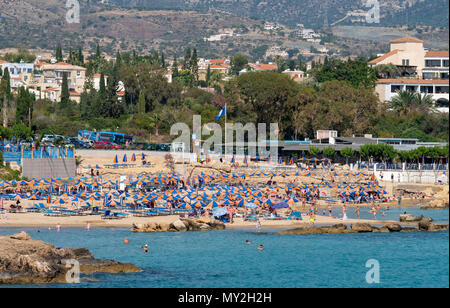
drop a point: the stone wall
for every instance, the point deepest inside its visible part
(49, 168)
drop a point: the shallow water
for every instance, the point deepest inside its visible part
(222, 259)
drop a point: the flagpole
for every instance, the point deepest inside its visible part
(225, 130)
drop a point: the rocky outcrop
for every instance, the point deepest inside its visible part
(362, 227)
(198, 224)
(27, 261)
(440, 199)
(423, 225)
(339, 228)
(410, 218)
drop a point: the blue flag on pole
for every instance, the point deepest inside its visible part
(221, 113)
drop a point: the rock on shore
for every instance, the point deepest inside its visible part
(440, 200)
(198, 224)
(423, 225)
(27, 261)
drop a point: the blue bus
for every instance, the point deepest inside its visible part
(117, 138)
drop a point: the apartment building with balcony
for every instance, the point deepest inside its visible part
(417, 70)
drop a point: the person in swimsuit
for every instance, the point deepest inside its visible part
(260, 247)
(145, 249)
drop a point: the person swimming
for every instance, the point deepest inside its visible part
(260, 247)
(247, 242)
(145, 249)
(126, 241)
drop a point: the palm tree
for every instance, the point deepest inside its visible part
(402, 102)
(408, 101)
(424, 103)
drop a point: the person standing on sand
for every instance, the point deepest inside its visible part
(88, 226)
(344, 212)
(258, 225)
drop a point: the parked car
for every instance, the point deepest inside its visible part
(104, 145)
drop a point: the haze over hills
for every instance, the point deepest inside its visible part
(172, 25)
(313, 13)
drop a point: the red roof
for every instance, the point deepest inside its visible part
(218, 67)
(385, 56)
(413, 81)
(264, 67)
(407, 40)
(216, 61)
(438, 54)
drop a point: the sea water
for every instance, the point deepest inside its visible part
(222, 258)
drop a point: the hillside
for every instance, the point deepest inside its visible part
(312, 13)
(172, 25)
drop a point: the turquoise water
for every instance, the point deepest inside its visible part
(222, 259)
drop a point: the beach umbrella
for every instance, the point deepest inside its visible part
(133, 158)
(251, 205)
(219, 211)
(61, 201)
(281, 205)
(124, 158)
(116, 160)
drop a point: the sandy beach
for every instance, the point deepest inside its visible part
(39, 220)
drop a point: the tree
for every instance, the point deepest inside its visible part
(141, 103)
(329, 152)
(97, 52)
(292, 65)
(187, 59)
(314, 151)
(385, 70)
(65, 95)
(59, 55)
(238, 63)
(347, 153)
(24, 109)
(21, 131)
(208, 75)
(402, 102)
(355, 72)
(194, 65)
(5, 85)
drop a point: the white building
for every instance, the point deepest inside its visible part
(438, 89)
(15, 69)
(418, 70)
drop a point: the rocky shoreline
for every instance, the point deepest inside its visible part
(422, 224)
(198, 224)
(27, 261)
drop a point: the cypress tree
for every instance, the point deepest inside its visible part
(97, 53)
(187, 59)
(194, 65)
(65, 95)
(141, 103)
(5, 85)
(208, 75)
(59, 55)
(175, 67)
